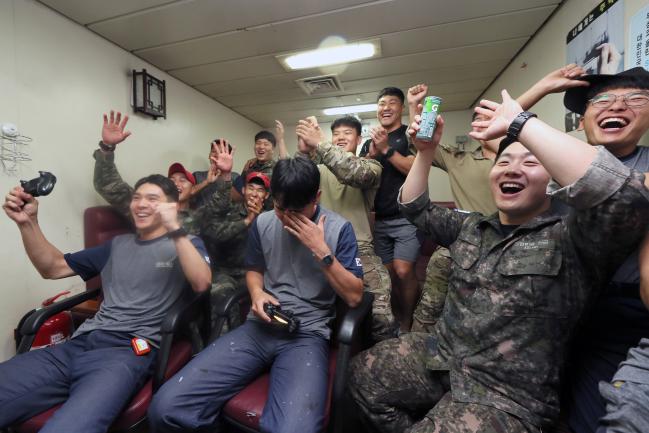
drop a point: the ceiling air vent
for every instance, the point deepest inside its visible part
(320, 85)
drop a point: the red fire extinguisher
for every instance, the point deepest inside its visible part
(56, 329)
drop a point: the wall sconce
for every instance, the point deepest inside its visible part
(149, 95)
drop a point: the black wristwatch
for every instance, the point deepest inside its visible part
(517, 124)
(389, 153)
(106, 147)
(177, 233)
(327, 260)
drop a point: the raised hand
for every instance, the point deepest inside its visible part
(310, 135)
(499, 117)
(379, 136)
(421, 145)
(222, 161)
(416, 94)
(20, 206)
(563, 79)
(113, 132)
(279, 130)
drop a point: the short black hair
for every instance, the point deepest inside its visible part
(166, 185)
(392, 91)
(267, 135)
(295, 182)
(350, 121)
(623, 82)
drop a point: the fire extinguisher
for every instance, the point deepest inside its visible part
(56, 329)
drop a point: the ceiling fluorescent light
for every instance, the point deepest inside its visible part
(350, 109)
(331, 55)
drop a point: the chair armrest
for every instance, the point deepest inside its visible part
(33, 323)
(348, 333)
(185, 311)
(223, 309)
(353, 319)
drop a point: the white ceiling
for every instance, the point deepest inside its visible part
(226, 48)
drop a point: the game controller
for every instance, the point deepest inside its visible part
(283, 318)
(41, 185)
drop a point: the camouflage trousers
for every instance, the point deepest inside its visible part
(224, 285)
(376, 280)
(397, 393)
(433, 295)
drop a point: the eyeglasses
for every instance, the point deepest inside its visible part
(633, 99)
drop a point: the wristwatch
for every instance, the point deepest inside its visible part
(327, 260)
(389, 153)
(517, 124)
(177, 233)
(106, 147)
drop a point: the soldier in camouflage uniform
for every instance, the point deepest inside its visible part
(348, 185)
(224, 228)
(110, 185)
(263, 162)
(520, 281)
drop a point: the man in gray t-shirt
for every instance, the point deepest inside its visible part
(299, 257)
(110, 356)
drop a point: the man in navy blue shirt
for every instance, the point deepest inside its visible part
(95, 373)
(299, 257)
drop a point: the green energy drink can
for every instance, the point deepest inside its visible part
(428, 118)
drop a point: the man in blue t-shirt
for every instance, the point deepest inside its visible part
(95, 373)
(299, 258)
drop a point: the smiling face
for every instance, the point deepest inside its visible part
(346, 137)
(184, 186)
(617, 127)
(263, 150)
(389, 111)
(255, 192)
(518, 185)
(143, 206)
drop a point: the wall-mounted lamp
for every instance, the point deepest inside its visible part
(149, 94)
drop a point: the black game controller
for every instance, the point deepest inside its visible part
(283, 318)
(41, 185)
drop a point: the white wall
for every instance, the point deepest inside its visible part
(56, 79)
(547, 52)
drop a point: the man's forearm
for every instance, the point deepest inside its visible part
(347, 285)
(45, 257)
(349, 169)
(109, 183)
(417, 181)
(401, 163)
(196, 270)
(565, 157)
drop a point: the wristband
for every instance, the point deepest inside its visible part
(389, 153)
(106, 147)
(517, 124)
(177, 233)
(514, 130)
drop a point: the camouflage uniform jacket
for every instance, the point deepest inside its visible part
(353, 195)
(224, 231)
(514, 301)
(109, 184)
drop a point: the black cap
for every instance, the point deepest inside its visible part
(576, 98)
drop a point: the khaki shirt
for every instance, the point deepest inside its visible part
(468, 173)
(349, 184)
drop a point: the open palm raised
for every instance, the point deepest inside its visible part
(113, 129)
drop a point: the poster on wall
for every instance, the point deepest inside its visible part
(638, 42)
(596, 43)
